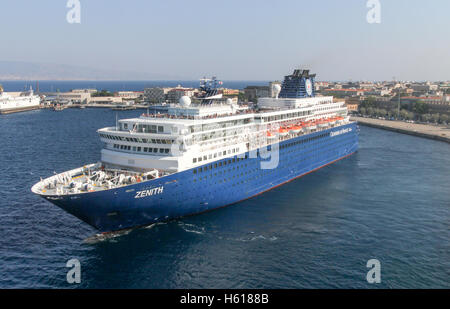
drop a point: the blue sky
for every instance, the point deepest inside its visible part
(240, 40)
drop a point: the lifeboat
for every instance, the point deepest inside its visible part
(270, 136)
(322, 123)
(295, 129)
(339, 119)
(283, 132)
(332, 120)
(313, 125)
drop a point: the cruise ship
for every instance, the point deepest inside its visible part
(18, 101)
(200, 156)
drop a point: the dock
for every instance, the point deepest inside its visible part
(18, 110)
(436, 132)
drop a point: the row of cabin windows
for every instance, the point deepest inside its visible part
(142, 149)
(306, 140)
(139, 140)
(286, 116)
(317, 147)
(218, 125)
(215, 155)
(307, 156)
(219, 164)
(144, 128)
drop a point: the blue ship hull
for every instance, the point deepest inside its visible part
(213, 185)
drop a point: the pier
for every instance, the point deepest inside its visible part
(17, 110)
(436, 132)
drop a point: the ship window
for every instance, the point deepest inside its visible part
(153, 141)
(134, 148)
(155, 149)
(166, 150)
(129, 147)
(139, 148)
(125, 125)
(145, 149)
(200, 159)
(161, 150)
(160, 129)
(224, 153)
(205, 158)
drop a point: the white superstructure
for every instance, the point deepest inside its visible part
(190, 135)
(18, 101)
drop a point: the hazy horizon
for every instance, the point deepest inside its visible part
(234, 40)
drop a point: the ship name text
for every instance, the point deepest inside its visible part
(145, 193)
(343, 131)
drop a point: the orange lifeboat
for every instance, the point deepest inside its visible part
(283, 132)
(312, 125)
(322, 123)
(295, 129)
(270, 136)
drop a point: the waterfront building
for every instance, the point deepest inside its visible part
(155, 95)
(226, 91)
(176, 93)
(129, 95)
(77, 97)
(254, 92)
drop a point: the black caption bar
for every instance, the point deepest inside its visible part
(210, 298)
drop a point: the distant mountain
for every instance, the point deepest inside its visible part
(17, 70)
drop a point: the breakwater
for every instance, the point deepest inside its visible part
(436, 132)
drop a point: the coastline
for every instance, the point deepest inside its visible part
(438, 132)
